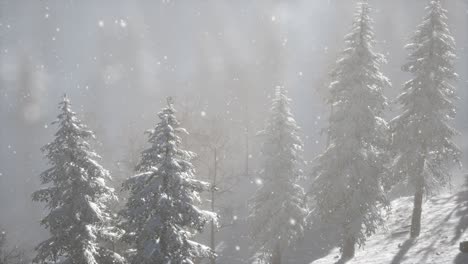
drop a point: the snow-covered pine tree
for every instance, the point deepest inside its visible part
(347, 187)
(278, 209)
(76, 195)
(422, 136)
(161, 215)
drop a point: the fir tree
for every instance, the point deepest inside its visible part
(161, 215)
(347, 188)
(422, 136)
(278, 209)
(76, 195)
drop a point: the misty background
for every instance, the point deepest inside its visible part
(221, 60)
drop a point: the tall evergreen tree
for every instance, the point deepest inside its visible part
(347, 188)
(278, 209)
(422, 136)
(76, 195)
(161, 215)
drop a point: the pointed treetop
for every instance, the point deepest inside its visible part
(363, 7)
(65, 104)
(279, 90)
(363, 23)
(281, 103)
(435, 9)
(434, 42)
(281, 93)
(435, 4)
(357, 70)
(170, 101)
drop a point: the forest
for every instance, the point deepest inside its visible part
(260, 132)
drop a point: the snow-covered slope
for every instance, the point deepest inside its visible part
(445, 219)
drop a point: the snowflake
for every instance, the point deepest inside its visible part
(258, 181)
(292, 221)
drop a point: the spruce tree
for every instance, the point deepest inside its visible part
(278, 209)
(422, 136)
(349, 173)
(76, 195)
(161, 215)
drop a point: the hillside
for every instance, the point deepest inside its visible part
(445, 219)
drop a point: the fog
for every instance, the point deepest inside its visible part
(221, 60)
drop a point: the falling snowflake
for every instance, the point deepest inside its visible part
(258, 181)
(292, 221)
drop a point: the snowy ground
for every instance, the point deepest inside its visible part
(445, 219)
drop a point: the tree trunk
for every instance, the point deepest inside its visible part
(213, 189)
(213, 258)
(418, 196)
(247, 151)
(417, 211)
(276, 256)
(349, 248)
